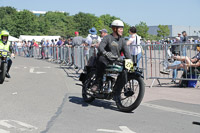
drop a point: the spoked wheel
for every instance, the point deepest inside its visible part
(3, 72)
(86, 89)
(131, 95)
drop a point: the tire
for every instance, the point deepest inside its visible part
(90, 78)
(123, 94)
(3, 73)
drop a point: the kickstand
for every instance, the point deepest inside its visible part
(154, 81)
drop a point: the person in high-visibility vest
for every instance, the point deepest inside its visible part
(6, 45)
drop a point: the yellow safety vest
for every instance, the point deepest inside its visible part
(5, 47)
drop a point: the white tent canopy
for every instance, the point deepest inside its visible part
(13, 39)
(38, 38)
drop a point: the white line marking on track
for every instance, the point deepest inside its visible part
(32, 71)
(47, 67)
(171, 109)
(30, 127)
(14, 93)
(123, 128)
(20, 126)
(4, 131)
(5, 124)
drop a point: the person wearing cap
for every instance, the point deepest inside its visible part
(93, 40)
(110, 47)
(77, 40)
(91, 44)
(103, 32)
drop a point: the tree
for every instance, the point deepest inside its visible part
(84, 22)
(107, 20)
(142, 29)
(53, 23)
(7, 11)
(163, 31)
(126, 29)
(153, 37)
(26, 23)
(7, 20)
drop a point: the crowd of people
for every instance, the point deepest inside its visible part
(44, 48)
(182, 61)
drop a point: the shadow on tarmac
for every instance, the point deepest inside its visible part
(98, 103)
(196, 123)
(72, 74)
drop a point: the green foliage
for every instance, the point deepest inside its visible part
(153, 37)
(84, 22)
(26, 23)
(142, 29)
(126, 29)
(53, 23)
(163, 31)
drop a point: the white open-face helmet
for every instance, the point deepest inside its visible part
(117, 23)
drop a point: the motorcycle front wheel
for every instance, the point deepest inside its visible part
(130, 96)
(3, 72)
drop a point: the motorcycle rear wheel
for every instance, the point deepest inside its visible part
(86, 89)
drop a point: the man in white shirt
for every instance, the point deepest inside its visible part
(135, 47)
(93, 40)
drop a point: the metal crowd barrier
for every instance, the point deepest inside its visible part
(151, 62)
(156, 55)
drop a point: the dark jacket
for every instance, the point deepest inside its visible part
(115, 46)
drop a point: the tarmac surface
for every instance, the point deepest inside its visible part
(41, 97)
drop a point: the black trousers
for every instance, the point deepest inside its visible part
(102, 63)
(9, 64)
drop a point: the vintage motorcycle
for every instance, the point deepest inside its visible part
(3, 64)
(122, 82)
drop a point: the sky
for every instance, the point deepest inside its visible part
(153, 12)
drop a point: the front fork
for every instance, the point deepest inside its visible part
(122, 79)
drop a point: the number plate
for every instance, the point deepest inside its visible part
(4, 53)
(129, 64)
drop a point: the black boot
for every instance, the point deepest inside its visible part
(8, 75)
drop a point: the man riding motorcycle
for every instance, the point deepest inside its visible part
(110, 47)
(6, 45)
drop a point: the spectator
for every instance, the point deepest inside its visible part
(47, 49)
(43, 44)
(59, 43)
(91, 43)
(65, 42)
(176, 51)
(184, 39)
(55, 41)
(135, 47)
(104, 32)
(184, 63)
(19, 47)
(77, 40)
(93, 40)
(36, 49)
(179, 35)
(51, 44)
